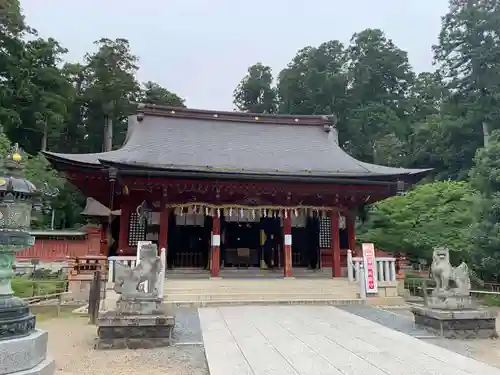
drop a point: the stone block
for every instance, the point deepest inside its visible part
(134, 331)
(451, 303)
(391, 291)
(23, 353)
(112, 319)
(140, 306)
(46, 367)
(462, 324)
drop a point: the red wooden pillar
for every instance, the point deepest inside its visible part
(334, 218)
(287, 245)
(351, 231)
(215, 261)
(104, 248)
(163, 235)
(124, 227)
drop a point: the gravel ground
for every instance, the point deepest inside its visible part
(484, 350)
(187, 326)
(71, 341)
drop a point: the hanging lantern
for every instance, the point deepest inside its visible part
(230, 212)
(286, 214)
(295, 213)
(218, 212)
(264, 213)
(242, 212)
(206, 211)
(253, 214)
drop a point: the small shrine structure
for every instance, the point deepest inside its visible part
(234, 189)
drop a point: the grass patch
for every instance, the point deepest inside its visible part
(25, 287)
(490, 300)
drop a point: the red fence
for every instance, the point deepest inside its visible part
(52, 246)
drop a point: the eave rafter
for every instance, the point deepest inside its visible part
(254, 193)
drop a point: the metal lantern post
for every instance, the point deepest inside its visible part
(18, 197)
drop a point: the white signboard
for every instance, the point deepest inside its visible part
(288, 240)
(370, 265)
(216, 240)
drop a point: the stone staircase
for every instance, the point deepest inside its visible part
(219, 292)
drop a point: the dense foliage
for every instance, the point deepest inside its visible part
(431, 215)
(388, 114)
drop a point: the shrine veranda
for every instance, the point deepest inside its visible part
(233, 189)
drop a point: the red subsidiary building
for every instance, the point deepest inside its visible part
(233, 189)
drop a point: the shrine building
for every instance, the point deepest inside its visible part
(228, 189)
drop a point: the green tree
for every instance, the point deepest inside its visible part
(12, 31)
(485, 231)
(41, 96)
(485, 175)
(255, 93)
(314, 82)
(441, 142)
(73, 133)
(426, 95)
(153, 93)
(484, 237)
(468, 54)
(431, 215)
(379, 82)
(110, 90)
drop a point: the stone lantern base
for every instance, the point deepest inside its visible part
(456, 324)
(26, 355)
(137, 323)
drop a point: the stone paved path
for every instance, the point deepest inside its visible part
(319, 340)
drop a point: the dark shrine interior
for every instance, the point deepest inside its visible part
(243, 244)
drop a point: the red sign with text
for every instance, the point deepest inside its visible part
(370, 265)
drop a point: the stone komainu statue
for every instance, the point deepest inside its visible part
(128, 280)
(443, 272)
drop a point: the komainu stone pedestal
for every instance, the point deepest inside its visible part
(460, 324)
(137, 323)
(26, 355)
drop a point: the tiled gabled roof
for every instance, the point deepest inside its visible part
(176, 139)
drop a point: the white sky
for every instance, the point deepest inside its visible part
(200, 49)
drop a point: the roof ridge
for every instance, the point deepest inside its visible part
(145, 109)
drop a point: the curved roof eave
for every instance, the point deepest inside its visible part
(98, 160)
(384, 172)
(87, 160)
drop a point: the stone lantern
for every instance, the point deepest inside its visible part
(19, 339)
